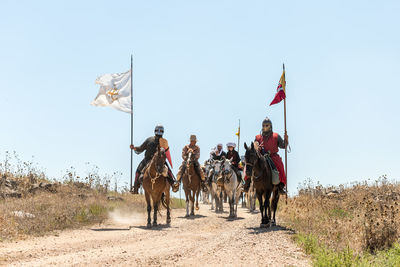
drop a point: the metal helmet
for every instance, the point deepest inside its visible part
(159, 130)
(266, 127)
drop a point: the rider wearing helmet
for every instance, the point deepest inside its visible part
(269, 143)
(233, 155)
(195, 149)
(150, 145)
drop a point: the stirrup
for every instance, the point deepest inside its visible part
(175, 187)
(135, 190)
(282, 191)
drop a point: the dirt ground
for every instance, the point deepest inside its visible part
(206, 239)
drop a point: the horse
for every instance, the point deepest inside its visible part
(156, 186)
(191, 184)
(229, 181)
(251, 197)
(207, 168)
(216, 191)
(257, 168)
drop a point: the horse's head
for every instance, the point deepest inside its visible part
(218, 172)
(250, 158)
(208, 167)
(226, 168)
(217, 167)
(159, 159)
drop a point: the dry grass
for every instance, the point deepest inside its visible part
(71, 202)
(70, 207)
(360, 218)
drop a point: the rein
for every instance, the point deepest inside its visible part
(256, 178)
(158, 174)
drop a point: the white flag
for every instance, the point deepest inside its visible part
(115, 91)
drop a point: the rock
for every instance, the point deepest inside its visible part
(43, 187)
(332, 193)
(7, 192)
(82, 196)
(81, 185)
(113, 198)
(22, 214)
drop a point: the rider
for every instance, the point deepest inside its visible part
(233, 155)
(269, 142)
(150, 145)
(217, 153)
(195, 149)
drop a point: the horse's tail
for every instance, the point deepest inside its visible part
(164, 201)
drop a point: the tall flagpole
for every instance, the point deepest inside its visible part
(131, 121)
(239, 138)
(284, 113)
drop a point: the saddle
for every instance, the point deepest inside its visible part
(274, 170)
(163, 173)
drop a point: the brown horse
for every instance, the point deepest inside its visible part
(156, 186)
(191, 184)
(257, 168)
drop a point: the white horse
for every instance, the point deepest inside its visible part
(207, 167)
(217, 193)
(251, 197)
(229, 182)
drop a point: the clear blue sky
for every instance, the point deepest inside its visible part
(199, 67)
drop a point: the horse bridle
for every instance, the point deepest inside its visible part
(225, 173)
(158, 174)
(258, 154)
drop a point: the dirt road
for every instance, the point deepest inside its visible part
(206, 239)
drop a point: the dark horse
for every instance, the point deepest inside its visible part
(257, 168)
(156, 187)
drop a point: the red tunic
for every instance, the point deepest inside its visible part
(271, 145)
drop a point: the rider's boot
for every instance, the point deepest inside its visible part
(174, 184)
(136, 184)
(281, 189)
(246, 186)
(239, 176)
(179, 175)
(200, 173)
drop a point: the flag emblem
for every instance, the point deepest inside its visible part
(115, 91)
(281, 90)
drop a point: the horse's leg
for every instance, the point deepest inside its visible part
(155, 204)
(191, 195)
(231, 205)
(197, 199)
(216, 199)
(260, 202)
(187, 202)
(268, 206)
(147, 196)
(212, 200)
(275, 200)
(217, 202)
(234, 203)
(254, 197)
(222, 201)
(237, 197)
(167, 200)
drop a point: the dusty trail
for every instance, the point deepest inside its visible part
(207, 239)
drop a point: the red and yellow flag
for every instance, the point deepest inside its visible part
(164, 144)
(281, 90)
